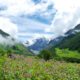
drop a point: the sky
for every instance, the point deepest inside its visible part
(31, 19)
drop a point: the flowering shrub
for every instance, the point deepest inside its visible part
(30, 68)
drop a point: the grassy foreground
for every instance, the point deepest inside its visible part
(31, 68)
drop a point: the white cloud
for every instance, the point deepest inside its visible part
(67, 16)
(35, 36)
(7, 41)
(15, 7)
(29, 29)
(7, 26)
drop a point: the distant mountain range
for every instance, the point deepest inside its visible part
(39, 44)
(70, 39)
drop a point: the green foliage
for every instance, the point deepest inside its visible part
(67, 55)
(45, 54)
(2, 61)
(29, 68)
(2, 50)
(21, 49)
(17, 49)
(71, 42)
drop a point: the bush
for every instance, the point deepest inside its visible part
(2, 52)
(45, 54)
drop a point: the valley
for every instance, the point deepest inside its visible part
(58, 59)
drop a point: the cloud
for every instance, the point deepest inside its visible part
(28, 29)
(12, 23)
(44, 12)
(16, 7)
(60, 16)
(67, 16)
(7, 26)
(7, 41)
(31, 37)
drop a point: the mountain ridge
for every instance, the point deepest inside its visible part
(71, 40)
(4, 34)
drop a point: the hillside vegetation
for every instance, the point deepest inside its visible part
(72, 42)
(60, 62)
(31, 68)
(9, 45)
(14, 49)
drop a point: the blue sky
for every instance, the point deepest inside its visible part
(31, 19)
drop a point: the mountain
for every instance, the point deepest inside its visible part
(42, 43)
(39, 44)
(4, 34)
(73, 31)
(59, 39)
(6, 39)
(19, 48)
(77, 27)
(71, 40)
(11, 45)
(55, 41)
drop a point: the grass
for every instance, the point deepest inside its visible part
(32, 68)
(67, 55)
